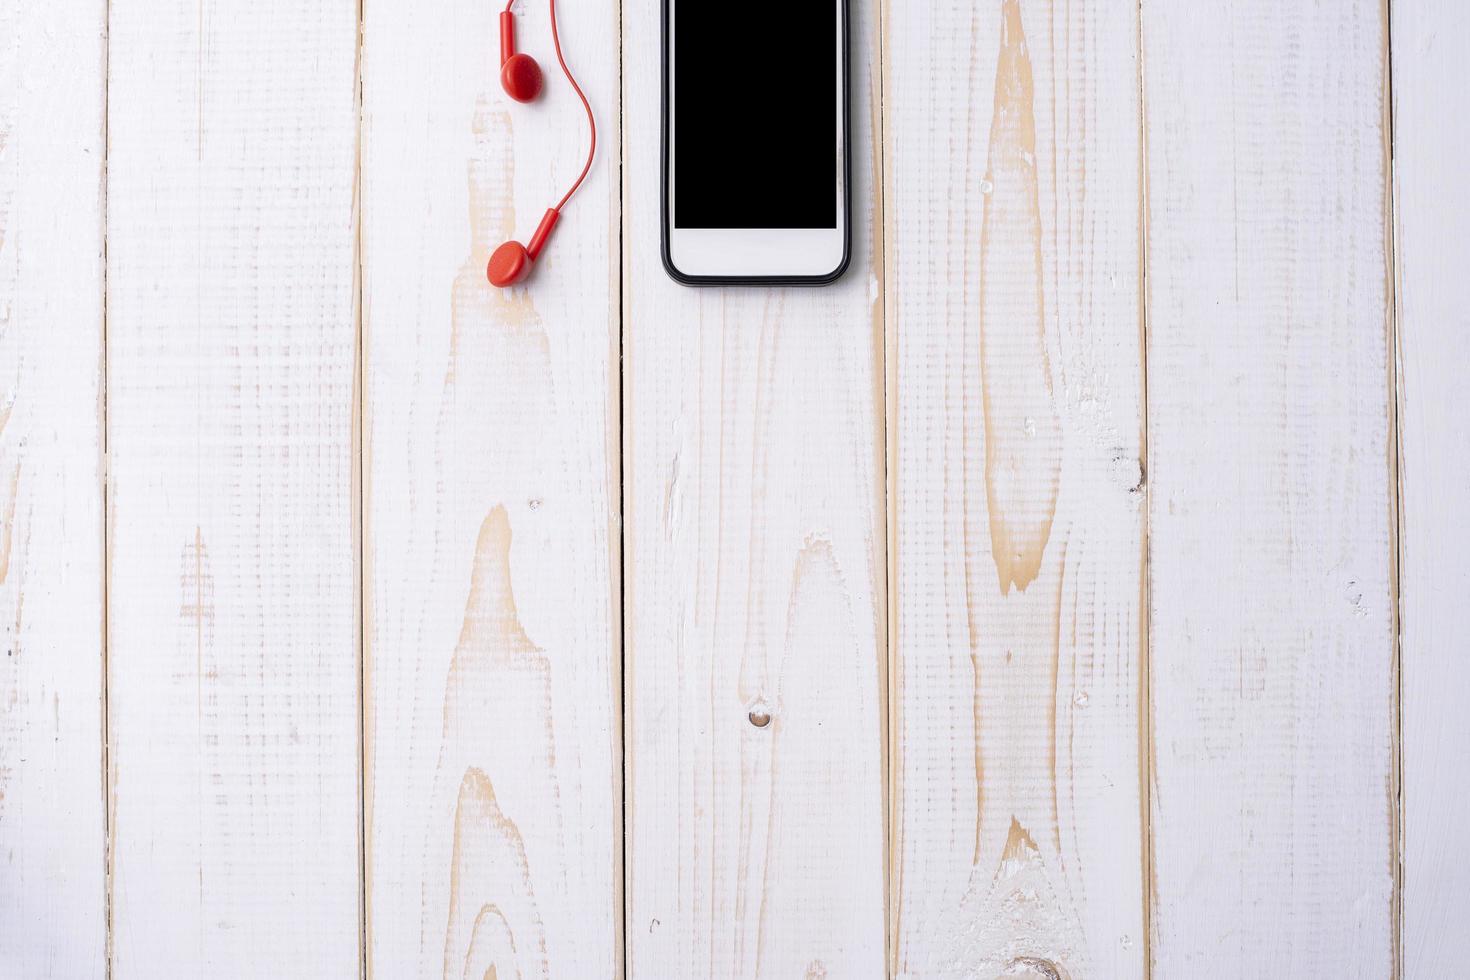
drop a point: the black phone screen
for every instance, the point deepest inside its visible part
(755, 114)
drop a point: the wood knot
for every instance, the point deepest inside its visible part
(1036, 966)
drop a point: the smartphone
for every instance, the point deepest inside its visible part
(756, 142)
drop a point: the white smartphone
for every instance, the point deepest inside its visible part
(756, 148)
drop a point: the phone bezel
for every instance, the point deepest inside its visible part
(741, 246)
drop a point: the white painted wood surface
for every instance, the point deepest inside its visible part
(1271, 616)
(1016, 489)
(1072, 668)
(1432, 206)
(52, 837)
(491, 454)
(754, 570)
(232, 594)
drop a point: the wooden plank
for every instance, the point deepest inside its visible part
(52, 834)
(1015, 448)
(233, 659)
(494, 831)
(1271, 603)
(1431, 45)
(754, 564)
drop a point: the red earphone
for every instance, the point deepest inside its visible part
(520, 76)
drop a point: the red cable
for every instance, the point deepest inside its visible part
(591, 122)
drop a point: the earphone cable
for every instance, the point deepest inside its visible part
(591, 122)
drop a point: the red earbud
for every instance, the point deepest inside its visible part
(511, 263)
(520, 76)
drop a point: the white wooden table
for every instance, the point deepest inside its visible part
(1094, 554)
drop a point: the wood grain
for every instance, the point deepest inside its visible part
(52, 834)
(754, 569)
(233, 659)
(1015, 461)
(1271, 611)
(958, 644)
(1431, 45)
(491, 546)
